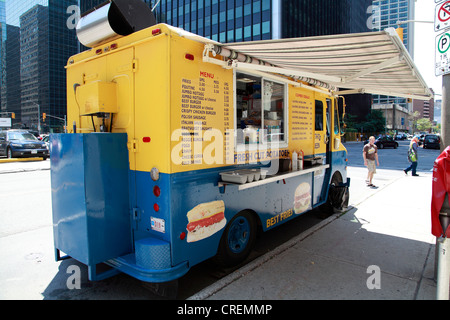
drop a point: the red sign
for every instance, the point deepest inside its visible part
(444, 12)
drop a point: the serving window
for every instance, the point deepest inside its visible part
(260, 110)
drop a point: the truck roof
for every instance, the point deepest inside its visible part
(370, 62)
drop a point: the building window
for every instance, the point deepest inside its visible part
(319, 115)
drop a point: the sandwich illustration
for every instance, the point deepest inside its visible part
(205, 220)
(302, 198)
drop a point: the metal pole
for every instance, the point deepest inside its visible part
(442, 267)
(39, 118)
(445, 112)
(443, 273)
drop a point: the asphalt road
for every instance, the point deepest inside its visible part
(393, 159)
(28, 269)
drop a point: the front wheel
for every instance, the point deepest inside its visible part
(238, 240)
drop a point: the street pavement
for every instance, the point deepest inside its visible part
(25, 165)
(381, 248)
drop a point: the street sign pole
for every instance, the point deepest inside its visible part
(442, 67)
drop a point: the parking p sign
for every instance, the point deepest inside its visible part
(442, 59)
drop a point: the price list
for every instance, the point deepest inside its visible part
(205, 105)
(302, 118)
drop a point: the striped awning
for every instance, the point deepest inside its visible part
(372, 62)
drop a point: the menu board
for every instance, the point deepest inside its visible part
(302, 117)
(301, 111)
(205, 116)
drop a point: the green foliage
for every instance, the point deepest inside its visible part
(424, 124)
(375, 122)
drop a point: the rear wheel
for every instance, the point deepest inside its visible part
(338, 196)
(238, 240)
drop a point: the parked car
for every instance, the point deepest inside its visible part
(384, 142)
(400, 136)
(431, 141)
(46, 139)
(421, 137)
(20, 143)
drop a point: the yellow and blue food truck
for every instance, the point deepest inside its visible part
(173, 156)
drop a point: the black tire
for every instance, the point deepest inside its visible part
(237, 240)
(337, 197)
(165, 290)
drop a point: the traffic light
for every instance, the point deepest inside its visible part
(400, 33)
(13, 115)
(44, 115)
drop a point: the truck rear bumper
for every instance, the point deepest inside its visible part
(127, 264)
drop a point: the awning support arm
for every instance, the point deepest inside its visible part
(372, 69)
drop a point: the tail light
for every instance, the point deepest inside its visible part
(156, 31)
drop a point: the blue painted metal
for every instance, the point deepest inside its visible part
(152, 253)
(127, 264)
(103, 211)
(89, 177)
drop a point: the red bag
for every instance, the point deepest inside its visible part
(440, 187)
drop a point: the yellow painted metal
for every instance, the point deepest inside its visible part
(177, 110)
(97, 97)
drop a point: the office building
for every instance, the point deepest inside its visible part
(2, 39)
(388, 13)
(44, 45)
(249, 20)
(10, 89)
(425, 108)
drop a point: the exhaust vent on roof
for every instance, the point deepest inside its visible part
(113, 19)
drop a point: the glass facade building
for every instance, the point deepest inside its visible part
(249, 20)
(326, 17)
(219, 20)
(39, 41)
(388, 13)
(37, 46)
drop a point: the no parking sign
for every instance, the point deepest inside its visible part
(442, 23)
(442, 16)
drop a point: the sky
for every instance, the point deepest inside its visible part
(424, 45)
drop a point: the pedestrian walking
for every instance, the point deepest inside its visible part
(370, 155)
(413, 156)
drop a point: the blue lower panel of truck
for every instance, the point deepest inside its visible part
(89, 179)
(105, 213)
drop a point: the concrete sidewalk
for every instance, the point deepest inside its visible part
(23, 165)
(385, 236)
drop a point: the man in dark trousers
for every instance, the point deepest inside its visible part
(413, 156)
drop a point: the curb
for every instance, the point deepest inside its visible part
(20, 160)
(236, 275)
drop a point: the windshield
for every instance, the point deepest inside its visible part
(21, 136)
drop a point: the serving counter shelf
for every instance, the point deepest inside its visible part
(277, 177)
